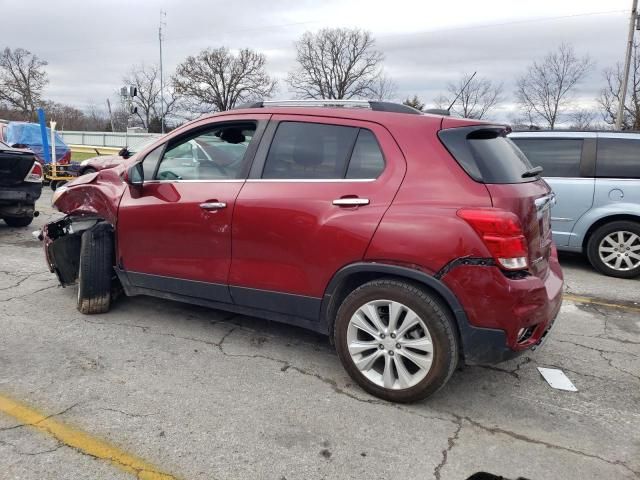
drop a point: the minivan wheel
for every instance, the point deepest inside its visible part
(396, 340)
(614, 249)
(96, 270)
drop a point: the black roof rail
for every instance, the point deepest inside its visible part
(374, 105)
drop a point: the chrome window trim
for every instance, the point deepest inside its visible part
(311, 180)
(225, 180)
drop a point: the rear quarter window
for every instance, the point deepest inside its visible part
(618, 158)
(487, 155)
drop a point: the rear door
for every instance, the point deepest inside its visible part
(314, 198)
(568, 168)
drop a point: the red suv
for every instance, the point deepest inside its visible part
(414, 241)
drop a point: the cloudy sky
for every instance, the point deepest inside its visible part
(89, 44)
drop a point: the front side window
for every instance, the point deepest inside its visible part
(150, 162)
(558, 157)
(320, 151)
(618, 158)
(216, 153)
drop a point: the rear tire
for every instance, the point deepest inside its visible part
(434, 325)
(613, 241)
(17, 222)
(95, 273)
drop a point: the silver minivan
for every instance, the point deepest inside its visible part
(596, 178)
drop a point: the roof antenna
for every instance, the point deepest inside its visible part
(460, 92)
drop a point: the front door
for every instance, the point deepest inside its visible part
(174, 231)
(310, 207)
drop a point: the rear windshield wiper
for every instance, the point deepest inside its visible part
(533, 172)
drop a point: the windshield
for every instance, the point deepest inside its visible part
(138, 147)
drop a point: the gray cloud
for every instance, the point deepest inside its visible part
(90, 45)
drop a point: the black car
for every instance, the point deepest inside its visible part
(20, 185)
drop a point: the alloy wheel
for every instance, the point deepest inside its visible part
(620, 250)
(390, 344)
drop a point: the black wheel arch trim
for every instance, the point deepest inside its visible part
(478, 345)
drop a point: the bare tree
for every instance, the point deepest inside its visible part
(474, 97)
(217, 79)
(524, 120)
(336, 63)
(610, 95)
(547, 86)
(384, 88)
(22, 79)
(582, 119)
(65, 116)
(146, 78)
(414, 102)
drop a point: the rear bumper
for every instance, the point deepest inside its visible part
(506, 317)
(19, 200)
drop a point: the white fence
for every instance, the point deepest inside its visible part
(106, 139)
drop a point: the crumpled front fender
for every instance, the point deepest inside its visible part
(97, 194)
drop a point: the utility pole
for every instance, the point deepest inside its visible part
(627, 65)
(163, 15)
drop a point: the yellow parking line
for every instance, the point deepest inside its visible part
(594, 301)
(82, 441)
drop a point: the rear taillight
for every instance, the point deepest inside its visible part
(502, 234)
(66, 159)
(35, 174)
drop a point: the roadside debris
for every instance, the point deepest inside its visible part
(557, 379)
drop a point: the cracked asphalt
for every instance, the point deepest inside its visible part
(204, 394)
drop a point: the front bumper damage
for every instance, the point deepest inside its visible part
(62, 240)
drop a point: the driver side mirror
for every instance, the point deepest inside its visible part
(135, 175)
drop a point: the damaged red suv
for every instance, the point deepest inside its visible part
(414, 241)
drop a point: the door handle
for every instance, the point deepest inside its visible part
(350, 202)
(212, 205)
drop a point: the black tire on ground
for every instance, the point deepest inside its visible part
(95, 273)
(18, 221)
(88, 170)
(439, 322)
(596, 238)
(53, 185)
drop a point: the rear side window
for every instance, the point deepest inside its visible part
(367, 160)
(309, 151)
(558, 157)
(618, 158)
(487, 155)
(320, 151)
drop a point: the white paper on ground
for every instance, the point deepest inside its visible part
(557, 379)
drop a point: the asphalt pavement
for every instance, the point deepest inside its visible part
(158, 389)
